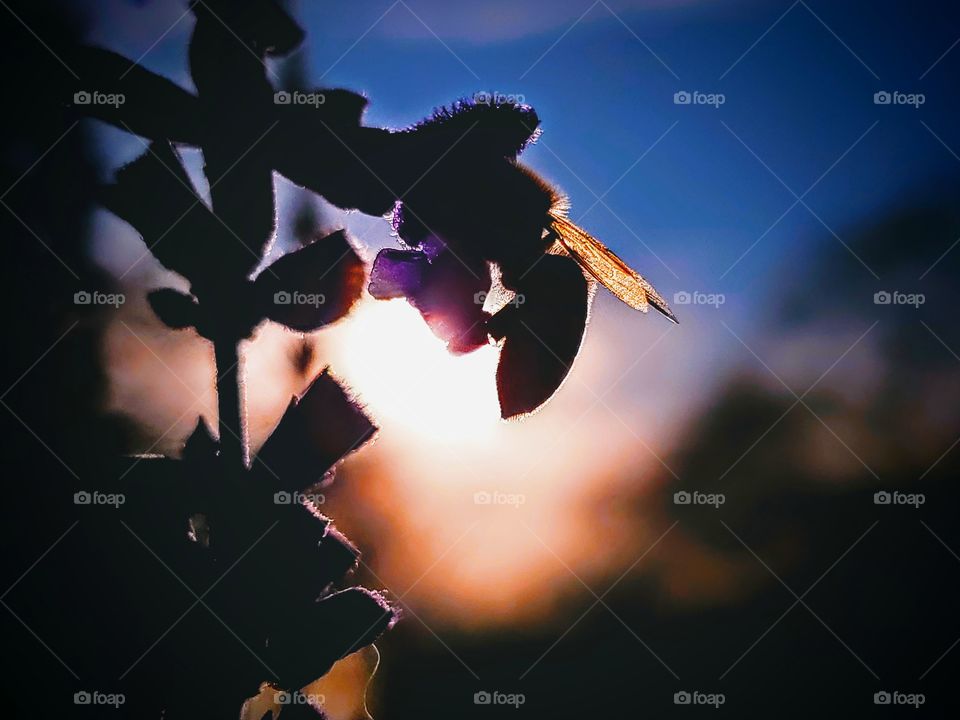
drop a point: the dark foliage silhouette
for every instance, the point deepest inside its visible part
(221, 527)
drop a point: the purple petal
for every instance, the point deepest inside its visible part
(397, 273)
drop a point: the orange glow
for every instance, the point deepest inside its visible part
(341, 693)
(409, 500)
(408, 380)
(476, 521)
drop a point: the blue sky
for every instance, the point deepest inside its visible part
(696, 197)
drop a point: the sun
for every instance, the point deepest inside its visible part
(408, 381)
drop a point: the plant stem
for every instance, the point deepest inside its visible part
(233, 446)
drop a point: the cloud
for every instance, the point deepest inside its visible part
(499, 20)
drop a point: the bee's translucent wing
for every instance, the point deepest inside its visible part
(608, 269)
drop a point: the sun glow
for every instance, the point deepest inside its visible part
(407, 380)
(458, 557)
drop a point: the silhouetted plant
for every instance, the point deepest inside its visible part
(461, 204)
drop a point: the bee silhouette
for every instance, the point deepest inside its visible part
(480, 200)
(477, 207)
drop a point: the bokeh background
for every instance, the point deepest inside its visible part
(778, 221)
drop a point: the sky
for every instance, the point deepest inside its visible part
(784, 153)
(699, 198)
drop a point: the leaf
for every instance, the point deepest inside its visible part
(336, 107)
(338, 556)
(345, 687)
(154, 194)
(319, 428)
(229, 45)
(340, 694)
(153, 106)
(341, 624)
(262, 26)
(542, 334)
(313, 286)
(177, 310)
